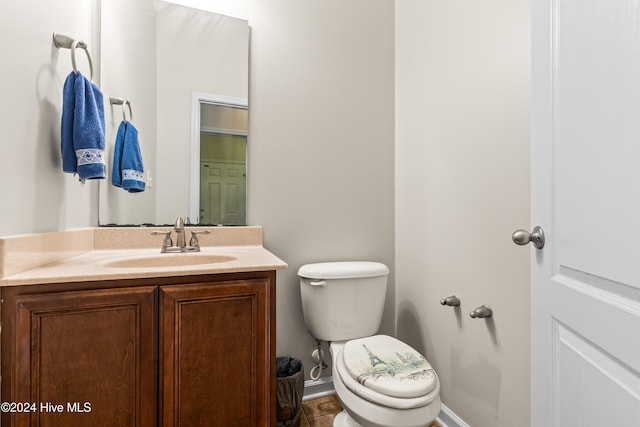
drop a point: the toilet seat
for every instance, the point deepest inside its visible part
(388, 366)
(387, 372)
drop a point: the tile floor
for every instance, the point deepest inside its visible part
(321, 411)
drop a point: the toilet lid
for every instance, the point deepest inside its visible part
(388, 366)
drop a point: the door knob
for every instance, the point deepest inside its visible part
(523, 237)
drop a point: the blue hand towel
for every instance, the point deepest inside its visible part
(131, 165)
(116, 171)
(88, 129)
(69, 162)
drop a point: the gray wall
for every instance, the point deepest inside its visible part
(462, 188)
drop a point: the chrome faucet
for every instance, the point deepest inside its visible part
(179, 229)
(181, 242)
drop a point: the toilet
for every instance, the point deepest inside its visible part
(380, 381)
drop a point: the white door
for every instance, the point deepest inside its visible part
(586, 196)
(223, 193)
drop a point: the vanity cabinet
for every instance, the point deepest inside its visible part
(170, 352)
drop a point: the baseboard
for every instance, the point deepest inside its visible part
(324, 386)
(447, 418)
(318, 388)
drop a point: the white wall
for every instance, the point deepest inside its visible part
(36, 196)
(462, 188)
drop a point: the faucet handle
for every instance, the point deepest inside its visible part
(167, 242)
(194, 237)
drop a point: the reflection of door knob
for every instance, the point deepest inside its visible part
(523, 237)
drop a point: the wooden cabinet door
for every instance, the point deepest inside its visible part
(216, 356)
(84, 358)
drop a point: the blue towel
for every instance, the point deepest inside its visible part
(132, 168)
(128, 170)
(69, 162)
(88, 129)
(116, 171)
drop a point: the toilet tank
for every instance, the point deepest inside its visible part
(343, 300)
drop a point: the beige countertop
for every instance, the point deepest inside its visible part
(127, 253)
(108, 265)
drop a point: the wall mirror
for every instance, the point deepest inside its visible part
(185, 73)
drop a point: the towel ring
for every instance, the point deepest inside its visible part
(124, 116)
(83, 45)
(124, 102)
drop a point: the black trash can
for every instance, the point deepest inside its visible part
(289, 391)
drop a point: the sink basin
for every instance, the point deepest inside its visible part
(170, 260)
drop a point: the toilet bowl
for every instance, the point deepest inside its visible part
(381, 381)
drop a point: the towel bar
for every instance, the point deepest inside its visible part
(61, 41)
(116, 100)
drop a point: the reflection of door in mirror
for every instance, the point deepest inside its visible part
(221, 148)
(222, 179)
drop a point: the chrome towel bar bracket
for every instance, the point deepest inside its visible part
(65, 42)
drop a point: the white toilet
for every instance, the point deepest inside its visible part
(381, 381)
